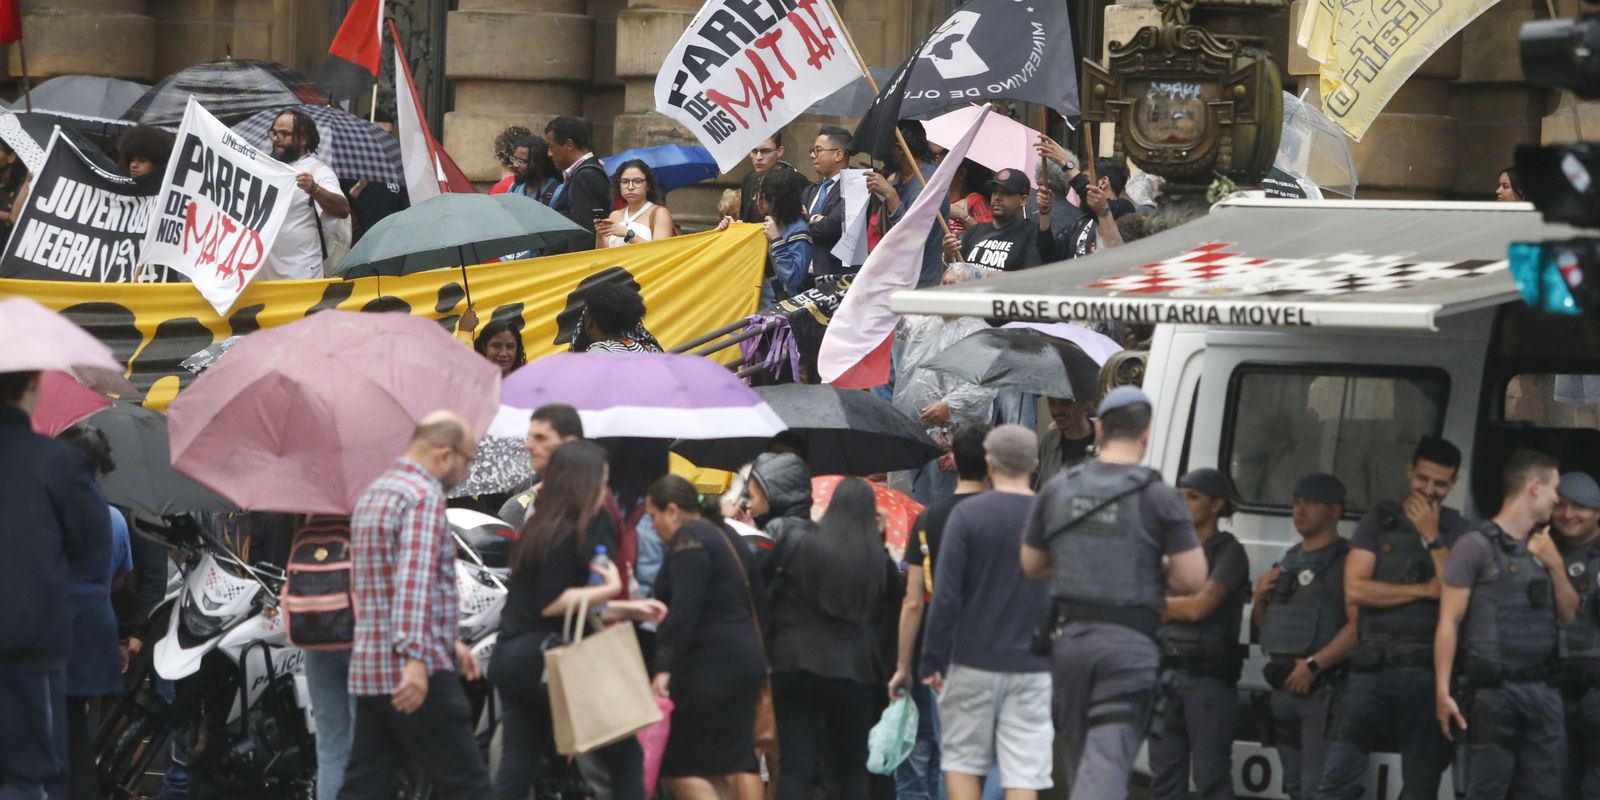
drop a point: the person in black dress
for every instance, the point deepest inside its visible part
(551, 565)
(709, 657)
(829, 579)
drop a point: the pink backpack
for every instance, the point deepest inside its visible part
(318, 597)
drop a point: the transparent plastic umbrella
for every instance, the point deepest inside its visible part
(1315, 149)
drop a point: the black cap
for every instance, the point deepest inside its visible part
(1207, 481)
(1320, 487)
(1014, 181)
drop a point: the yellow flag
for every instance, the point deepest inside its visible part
(1369, 48)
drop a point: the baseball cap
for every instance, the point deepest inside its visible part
(1320, 487)
(1122, 397)
(1014, 181)
(1579, 488)
(1207, 481)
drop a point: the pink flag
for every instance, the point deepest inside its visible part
(855, 349)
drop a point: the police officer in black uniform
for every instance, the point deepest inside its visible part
(1306, 631)
(1391, 576)
(1099, 532)
(1577, 521)
(1498, 581)
(1200, 646)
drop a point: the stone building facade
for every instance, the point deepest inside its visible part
(1447, 133)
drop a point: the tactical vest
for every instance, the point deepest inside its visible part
(1402, 558)
(1211, 645)
(1100, 552)
(1511, 619)
(1583, 632)
(1302, 614)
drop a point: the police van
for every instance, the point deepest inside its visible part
(1304, 336)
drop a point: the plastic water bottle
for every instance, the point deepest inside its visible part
(600, 561)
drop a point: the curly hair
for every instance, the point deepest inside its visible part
(506, 143)
(303, 123)
(614, 308)
(145, 142)
(652, 186)
(782, 188)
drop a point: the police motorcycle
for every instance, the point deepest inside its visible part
(240, 699)
(240, 683)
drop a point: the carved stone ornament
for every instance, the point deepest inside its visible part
(1188, 107)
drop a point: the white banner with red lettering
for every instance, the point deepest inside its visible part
(745, 68)
(219, 209)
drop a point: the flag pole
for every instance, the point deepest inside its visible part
(905, 148)
(27, 89)
(372, 114)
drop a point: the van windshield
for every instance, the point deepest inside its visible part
(1360, 424)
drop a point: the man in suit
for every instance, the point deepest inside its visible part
(52, 517)
(585, 192)
(824, 206)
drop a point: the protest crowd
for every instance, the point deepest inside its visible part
(598, 533)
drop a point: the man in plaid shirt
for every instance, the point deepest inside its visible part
(410, 705)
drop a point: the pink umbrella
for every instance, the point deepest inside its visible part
(301, 418)
(37, 338)
(63, 402)
(1002, 142)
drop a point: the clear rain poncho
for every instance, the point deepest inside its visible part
(919, 338)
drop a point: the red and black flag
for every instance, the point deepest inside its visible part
(356, 51)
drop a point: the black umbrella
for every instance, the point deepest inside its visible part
(843, 432)
(144, 479)
(1024, 359)
(231, 89)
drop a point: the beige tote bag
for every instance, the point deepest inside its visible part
(599, 692)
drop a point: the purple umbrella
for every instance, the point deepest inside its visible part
(653, 395)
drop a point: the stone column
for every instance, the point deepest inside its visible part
(1494, 109)
(513, 62)
(86, 37)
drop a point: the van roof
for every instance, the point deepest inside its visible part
(1274, 263)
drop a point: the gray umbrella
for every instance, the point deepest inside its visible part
(144, 479)
(500, 465)
(1022, 359)
(84, 95)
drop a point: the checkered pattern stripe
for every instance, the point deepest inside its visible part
(1211, 270)
(405, 579)
(356, 149)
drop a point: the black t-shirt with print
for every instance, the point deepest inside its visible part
(1011, 247)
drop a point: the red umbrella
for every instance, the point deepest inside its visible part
(899, 510)
(301, 418)
(63, 402)
(37, 338)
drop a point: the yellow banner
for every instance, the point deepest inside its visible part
(1368, 50)
(691, 286)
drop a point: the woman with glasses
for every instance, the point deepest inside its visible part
(644, 217)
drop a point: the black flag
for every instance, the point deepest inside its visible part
(987, 50)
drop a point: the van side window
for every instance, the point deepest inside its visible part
(1554, 401)
(1360, 424)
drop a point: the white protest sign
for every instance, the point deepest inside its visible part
(745, 68)
(852, 247)
(219, 209)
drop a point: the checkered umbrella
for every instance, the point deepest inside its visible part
(356, 149)
(231, 90)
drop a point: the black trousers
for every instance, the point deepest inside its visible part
(528, 738)
(83, 719)
(33, 733)
(437, 737)
(822, 720)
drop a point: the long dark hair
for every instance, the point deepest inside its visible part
(565, 504)
(841, 565)
(783, 189)
(540, 167)
(652, 185)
